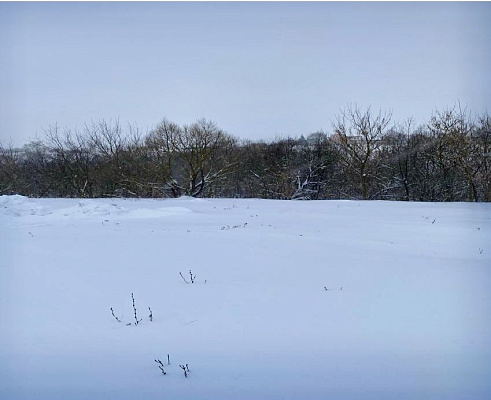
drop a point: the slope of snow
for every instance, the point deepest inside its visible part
(292, 300)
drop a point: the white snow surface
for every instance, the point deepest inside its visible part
(292, 300)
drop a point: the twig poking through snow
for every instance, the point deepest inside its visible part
(161, 366)
(112, 312)
(184, 279)
(134, 309)
(327, 289)
(185, 368)
(193, 277)
(150, 315)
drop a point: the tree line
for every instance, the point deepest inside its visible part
(365, 156)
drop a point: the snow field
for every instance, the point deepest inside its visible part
(412, 321)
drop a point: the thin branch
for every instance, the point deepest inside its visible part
(161, 366)
(112, 312)
(184, 279)
(134, 310)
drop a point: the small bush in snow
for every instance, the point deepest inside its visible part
(192, 277)
(137, 321)
(327, 289)
(185, 368)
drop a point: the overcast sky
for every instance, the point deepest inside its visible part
(259, 70)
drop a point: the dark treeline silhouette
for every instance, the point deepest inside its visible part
(365, 156)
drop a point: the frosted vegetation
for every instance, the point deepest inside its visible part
(251, 299)
(364, 155)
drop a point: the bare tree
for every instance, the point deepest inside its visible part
(482, 137)
(359, 136)
(72, 157)
(315, 157)
(456, 153)
(162, 143)
(400, 151)
(10, 170)
(190, 155)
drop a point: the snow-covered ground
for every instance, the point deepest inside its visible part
(292, 300)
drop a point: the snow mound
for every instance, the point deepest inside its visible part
(91, 208)
(191, 198)
(157, 213)
(18, 206)
(21, 206)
